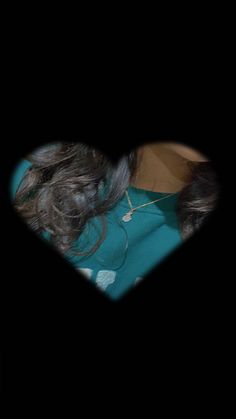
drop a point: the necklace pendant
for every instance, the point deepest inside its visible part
(127, 217)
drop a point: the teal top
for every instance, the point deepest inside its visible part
(130, 249)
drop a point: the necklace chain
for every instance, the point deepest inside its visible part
(128, 216)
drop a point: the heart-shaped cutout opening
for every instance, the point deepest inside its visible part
(115, 222)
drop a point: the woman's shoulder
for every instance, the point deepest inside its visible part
(18, 175)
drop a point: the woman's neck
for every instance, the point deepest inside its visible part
(160, 169)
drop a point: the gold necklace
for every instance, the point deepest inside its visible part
(128, 216)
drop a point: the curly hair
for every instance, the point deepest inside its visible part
(70, 183)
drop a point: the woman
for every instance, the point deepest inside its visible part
(115, 223)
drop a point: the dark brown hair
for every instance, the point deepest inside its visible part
(69, 183)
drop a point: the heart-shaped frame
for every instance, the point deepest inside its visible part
(115, 222)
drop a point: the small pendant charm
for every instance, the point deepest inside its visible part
(127, 217)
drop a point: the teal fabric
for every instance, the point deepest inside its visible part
(130, 250)
(18, 176)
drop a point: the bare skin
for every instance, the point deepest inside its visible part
(165, 167)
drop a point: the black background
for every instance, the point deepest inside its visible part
(58, 328)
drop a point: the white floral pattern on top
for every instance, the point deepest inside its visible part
(105, 278)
